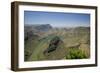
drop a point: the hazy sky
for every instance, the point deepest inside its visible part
(56, 19)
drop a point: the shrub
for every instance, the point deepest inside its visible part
(76, 54)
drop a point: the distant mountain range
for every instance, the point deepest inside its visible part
(35, 30)
(41, 27)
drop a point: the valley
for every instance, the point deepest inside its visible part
(44, 42)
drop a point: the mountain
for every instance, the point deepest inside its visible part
(38, 27)
(43, 27)
(32, 31)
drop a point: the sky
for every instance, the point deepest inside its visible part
(56, 19)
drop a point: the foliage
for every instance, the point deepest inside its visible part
(76, 54)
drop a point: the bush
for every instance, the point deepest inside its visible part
(76, 54)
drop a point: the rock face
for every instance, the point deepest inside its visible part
(56, 49)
